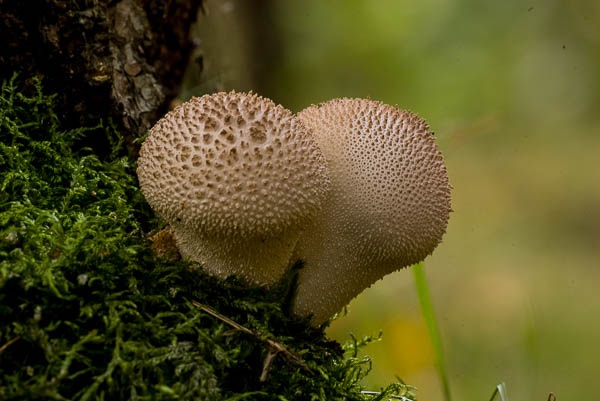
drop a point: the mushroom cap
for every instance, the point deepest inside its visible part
(388, 171)
(237, 177)
(388, 207)
(232, 163)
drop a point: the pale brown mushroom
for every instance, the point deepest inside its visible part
(237, 178)
(388, 205)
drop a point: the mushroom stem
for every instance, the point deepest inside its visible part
(259, 259)
(325, 288)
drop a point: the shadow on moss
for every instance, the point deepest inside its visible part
(87, 311)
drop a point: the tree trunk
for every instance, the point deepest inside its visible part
(118, 60)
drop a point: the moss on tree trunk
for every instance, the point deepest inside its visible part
(87, 310)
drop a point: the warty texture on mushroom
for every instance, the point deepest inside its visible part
(388, 205)
(237, 178)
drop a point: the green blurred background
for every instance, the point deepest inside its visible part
(512, 90)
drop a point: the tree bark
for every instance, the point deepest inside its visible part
(120, 60)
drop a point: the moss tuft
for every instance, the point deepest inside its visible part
(87, 311)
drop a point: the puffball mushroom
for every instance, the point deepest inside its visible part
(237, 178)
(388, 206)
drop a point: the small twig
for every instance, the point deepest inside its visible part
(274, 348)
(225, 319)
(267, 365)
(9, 343)
(551, 397)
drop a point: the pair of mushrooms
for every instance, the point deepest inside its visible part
(355, 188)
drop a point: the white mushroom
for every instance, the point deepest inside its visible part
(388, 206)
(237, 178)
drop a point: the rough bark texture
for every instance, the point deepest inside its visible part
(121, 59)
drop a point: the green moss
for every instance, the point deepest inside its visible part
(88, 312)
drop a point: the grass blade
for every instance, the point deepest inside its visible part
(434, 334)
(501, 390)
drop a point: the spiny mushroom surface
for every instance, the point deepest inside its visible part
(237, 177)
(388, 206)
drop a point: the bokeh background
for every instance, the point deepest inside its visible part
(512, 90)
